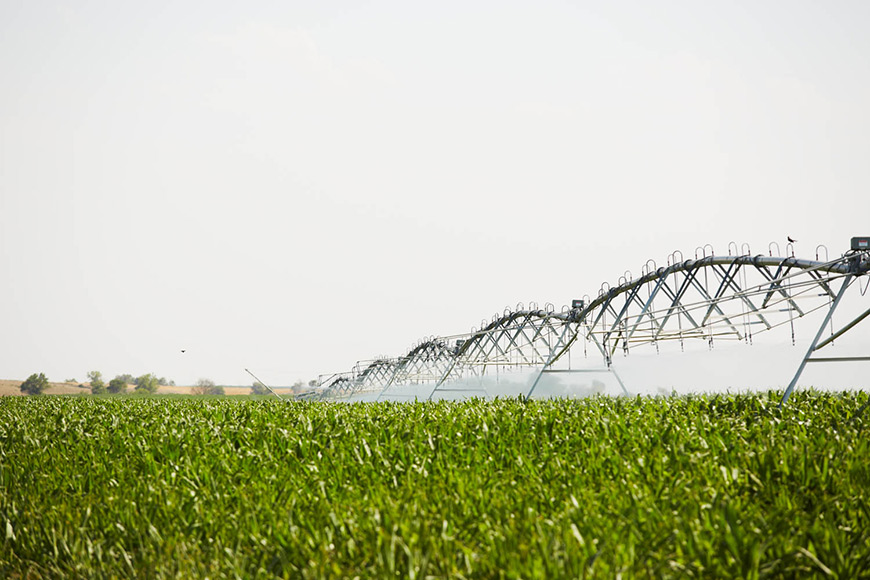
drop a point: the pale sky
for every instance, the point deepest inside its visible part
(294, 186)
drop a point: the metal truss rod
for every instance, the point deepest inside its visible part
(776, 285)
(628, 302)
(704, 294)
(677, 305)
(743, 294)
(843, 330)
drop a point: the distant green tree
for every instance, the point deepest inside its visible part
(217, 390)
(259, 388)
(35, 384)
(147, 384)
(98, 387)
(313, 383)
(117, 385)
(128, 379)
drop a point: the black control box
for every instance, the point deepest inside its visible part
(861, 243)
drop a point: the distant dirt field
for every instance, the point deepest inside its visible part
(8, 388)
(12, 388)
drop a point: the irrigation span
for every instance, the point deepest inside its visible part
(709, 298)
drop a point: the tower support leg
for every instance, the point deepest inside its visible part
(607, 362)
(815, 342)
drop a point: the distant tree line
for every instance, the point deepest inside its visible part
(131, 380)
(258, 388)
(147, 383)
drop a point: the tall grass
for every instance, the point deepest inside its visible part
(689, 487)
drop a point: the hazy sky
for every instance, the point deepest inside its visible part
(293, 186)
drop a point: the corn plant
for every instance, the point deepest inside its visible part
(718, 486)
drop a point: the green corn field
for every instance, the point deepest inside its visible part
(714, 486)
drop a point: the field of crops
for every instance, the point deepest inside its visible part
(712, 487)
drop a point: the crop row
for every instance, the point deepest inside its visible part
(702, 486)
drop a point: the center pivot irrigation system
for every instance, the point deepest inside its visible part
(708, 298)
